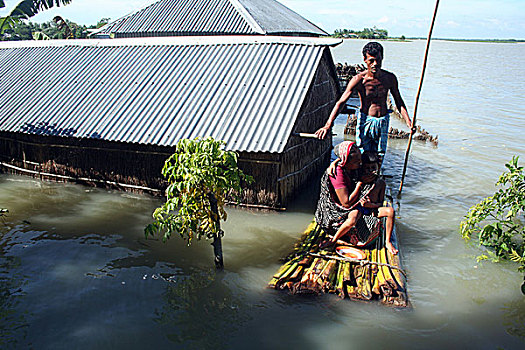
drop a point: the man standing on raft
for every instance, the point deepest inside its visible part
(372, 86)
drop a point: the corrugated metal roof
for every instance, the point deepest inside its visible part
(246, 92)
(275, 18)
(211, 17)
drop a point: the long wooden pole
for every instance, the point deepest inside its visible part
(417, 98)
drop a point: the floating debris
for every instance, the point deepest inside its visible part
(347, 71)
(393, 133)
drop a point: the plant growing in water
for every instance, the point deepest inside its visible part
(200, 174)
(498, 220)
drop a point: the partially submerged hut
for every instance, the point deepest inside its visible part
(108, 112)
(211, 17)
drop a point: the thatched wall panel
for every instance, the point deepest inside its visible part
(304, 158)
(99, 163)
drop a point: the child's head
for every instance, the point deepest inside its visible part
(370, 168)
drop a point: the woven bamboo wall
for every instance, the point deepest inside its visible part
(304, 159)
(115, 165)
(264, 167)
(132, 164)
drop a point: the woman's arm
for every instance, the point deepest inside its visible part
(347, 199)
(354, 196)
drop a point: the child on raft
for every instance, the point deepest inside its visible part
(371, 203)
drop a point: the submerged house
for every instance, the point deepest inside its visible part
(211, 17)
(109, 111)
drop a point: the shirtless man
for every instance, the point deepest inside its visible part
(373, 87)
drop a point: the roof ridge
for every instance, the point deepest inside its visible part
(247, 16)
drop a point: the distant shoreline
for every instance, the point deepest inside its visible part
(503, 41)
(499, 41)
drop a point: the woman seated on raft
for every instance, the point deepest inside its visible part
(346, 197)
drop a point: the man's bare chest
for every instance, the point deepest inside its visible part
(375, 89)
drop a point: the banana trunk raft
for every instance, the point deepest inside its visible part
(310, 270)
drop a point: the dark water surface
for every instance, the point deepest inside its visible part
(77, 272)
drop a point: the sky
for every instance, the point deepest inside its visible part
(469, 19)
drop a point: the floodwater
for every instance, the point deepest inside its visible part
(77, 272)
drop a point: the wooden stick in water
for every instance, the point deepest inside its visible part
(307, 135)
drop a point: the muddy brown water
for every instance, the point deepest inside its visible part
(77, 272)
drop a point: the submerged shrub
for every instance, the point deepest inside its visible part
(498, 221)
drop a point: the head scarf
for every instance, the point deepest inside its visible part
(342, 151)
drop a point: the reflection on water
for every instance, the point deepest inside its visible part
(77, 272)
(200, 312)
(514, 318)
(13, 324)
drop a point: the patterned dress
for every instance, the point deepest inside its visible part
(330, 215)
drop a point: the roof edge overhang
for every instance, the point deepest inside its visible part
(175, 41)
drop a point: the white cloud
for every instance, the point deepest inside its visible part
(333, 11)
(494, 21)
(383, 19)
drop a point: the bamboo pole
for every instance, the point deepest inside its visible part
(357, 261)
(417, 98)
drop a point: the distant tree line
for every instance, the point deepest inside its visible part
(366, 33)
(58, 28)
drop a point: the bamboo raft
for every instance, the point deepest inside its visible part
(311, 270)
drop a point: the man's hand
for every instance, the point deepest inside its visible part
(322, 132)
(411, 126)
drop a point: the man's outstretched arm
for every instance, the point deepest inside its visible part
(322, 132)
(400, 104)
